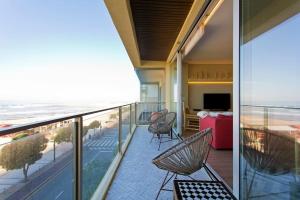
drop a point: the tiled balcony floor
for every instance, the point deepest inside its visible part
(137, 178)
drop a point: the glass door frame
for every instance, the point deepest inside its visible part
(236, 98)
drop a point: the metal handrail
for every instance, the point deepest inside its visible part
(262, 106)
(163, 102)
(19, 128)
(77, 123)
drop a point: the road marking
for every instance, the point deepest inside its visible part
(93, 143)
(103, 142)
(106, 143)
(111, 143)
(58, 196)
(102, 150)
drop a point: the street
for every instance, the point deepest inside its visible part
(98, 153)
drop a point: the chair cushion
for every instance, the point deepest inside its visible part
(155, 116)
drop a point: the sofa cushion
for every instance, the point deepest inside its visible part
(221, 116)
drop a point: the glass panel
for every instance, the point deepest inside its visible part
(149, 92)
(100, 146)
(173, 105)
(132, 117)
(144, 110)
(270, 120)
(125, 122)
(38, 163)
(142, 113)
(174, 89)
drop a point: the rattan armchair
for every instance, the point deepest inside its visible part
(162, 126)
(185, 158)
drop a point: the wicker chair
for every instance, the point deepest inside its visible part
(162, 125)
(156, 115)
(186, 157)
(266, 152)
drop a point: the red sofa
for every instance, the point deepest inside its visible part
(221, 130)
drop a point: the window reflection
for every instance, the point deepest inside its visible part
(270, 101)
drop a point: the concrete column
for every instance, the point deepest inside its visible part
(179, 93)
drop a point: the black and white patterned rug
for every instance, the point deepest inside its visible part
(212, 190)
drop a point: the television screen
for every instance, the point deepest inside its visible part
(216, 101)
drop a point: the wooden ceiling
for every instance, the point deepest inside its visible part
(157, 24)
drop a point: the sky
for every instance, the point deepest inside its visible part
(270, 72)
(65, 51)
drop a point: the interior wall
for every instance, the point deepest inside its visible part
(208, 72)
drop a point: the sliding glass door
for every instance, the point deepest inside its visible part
(269, 99)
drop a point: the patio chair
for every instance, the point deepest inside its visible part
(156, 115)
(267, 153)
(185, 158)
(162, 126)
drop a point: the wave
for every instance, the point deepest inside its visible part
(17, 114)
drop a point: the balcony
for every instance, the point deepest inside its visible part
(137, 177)
(65, 158)
(108, 154)
(84, 156)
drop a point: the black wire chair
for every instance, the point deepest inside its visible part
(185, 158)
(162, 126)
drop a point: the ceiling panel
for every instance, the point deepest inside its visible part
(215, 46)
(157, 24)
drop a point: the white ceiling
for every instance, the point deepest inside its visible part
(215, 46)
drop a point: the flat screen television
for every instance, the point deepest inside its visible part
(216, 101)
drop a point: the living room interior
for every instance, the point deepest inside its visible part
(207, 88)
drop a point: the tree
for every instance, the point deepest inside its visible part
(85, 130)
(94, 124)
(23, 153)
(19, 136)
(113, 116)
(63, 135)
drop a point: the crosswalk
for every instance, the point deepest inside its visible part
(105, 143)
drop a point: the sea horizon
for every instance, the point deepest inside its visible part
(14, 113)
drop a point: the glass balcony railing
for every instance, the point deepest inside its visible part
(270, 149)
(73, 157)
(144, 110)
(41, 156)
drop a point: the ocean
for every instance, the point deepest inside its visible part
(16, 113)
